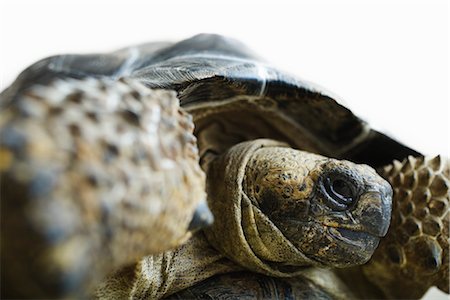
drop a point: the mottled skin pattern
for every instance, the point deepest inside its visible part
(298, 190)
(94, 174)
(413, 257)
(284, 190)
(244, 237)
(415, 254)
(290, 187)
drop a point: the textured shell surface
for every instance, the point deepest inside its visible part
(212, 71)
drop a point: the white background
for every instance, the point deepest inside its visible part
(388, 60)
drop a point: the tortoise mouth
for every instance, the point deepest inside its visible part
(330, 245)
(360, 239)
(354, 237)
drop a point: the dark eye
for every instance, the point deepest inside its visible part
(341, 188)
(340, 191)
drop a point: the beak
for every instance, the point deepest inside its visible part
(202, 217)
(374, 211)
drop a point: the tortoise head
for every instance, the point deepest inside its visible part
(334, 211)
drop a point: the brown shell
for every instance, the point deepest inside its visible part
(244, 285)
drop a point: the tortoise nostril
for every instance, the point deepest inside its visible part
(374, 213)
(202, 218)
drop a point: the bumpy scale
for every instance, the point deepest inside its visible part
(413, 257)
(247, 195)
(415, 253)
(95, 174)
(233, 98)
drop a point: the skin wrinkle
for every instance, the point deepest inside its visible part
(245, 237)
(288, 110)
(304, 215)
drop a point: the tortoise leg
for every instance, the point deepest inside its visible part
(95, 174)
(414, 255)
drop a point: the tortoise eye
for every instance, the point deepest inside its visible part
(340, 191)
(341, 188)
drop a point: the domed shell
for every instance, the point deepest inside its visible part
(210, 68)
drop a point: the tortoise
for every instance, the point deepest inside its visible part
(276, 153)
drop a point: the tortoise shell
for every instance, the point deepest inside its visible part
(210, 67)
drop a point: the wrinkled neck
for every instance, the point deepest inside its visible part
(158, 276)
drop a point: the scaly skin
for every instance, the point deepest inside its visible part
(249, 232)
(64, 146)
(290, 187)
(412, 257)
(415, 253)
(95, 174)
